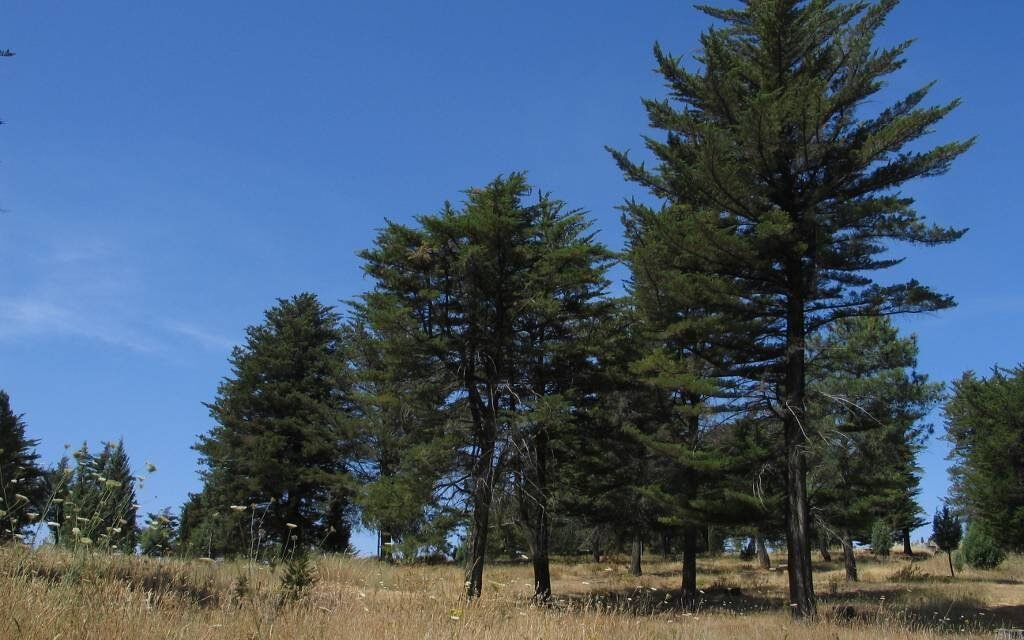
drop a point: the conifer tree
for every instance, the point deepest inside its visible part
(404, 450)
(787, 190)
(499, 294)
(81, 500)
(282, 444)
(985, 424)
(21, 477)
(160, 537)
(866, 404)
(608, 471)
(206, 530)
(559, 334)
(679, 362)
(57, 485)
(100, 508)
(947, 530)
(118, 520)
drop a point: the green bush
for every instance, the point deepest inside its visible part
(299, 575)
(979, 550)
(881, 538)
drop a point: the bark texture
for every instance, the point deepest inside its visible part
(635, 567)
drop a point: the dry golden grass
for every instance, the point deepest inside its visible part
(48, 594)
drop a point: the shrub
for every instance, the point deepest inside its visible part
(881, 538)
(979, 550)
(908, 573)
(298, 576)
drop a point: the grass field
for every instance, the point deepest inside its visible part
(49, 594)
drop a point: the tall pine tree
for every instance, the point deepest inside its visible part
(680, 360)
(788, 180)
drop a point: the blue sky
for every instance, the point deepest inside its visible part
(167, 170)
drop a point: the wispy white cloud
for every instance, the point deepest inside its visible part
(24, 317)
(77, 289)
(203, 337)
(86, 288)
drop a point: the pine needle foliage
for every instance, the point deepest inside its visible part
(984, 423)
(282, 441)
(783, 179)
(497, 300)
(299, 575)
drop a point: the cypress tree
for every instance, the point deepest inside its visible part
(608, 469)
(559, 336)
(57, 483)
(788, 193)
(682, 365)
(82, 500)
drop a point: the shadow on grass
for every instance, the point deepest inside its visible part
(158, 581)
(869, 606)
(648, 601)
(712, 569)
(945, 613)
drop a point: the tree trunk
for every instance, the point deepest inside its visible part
(689, 586)
(541, 526)
(541, 578)
(480, 520)
(949, 554)
(826, 556)
(848, 559)
(763, 559)
(638, 550)
(798, 522)
(595, 544)
(480, 495)
(907, 549)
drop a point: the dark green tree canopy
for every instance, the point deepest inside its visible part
(21, 477)
(781, 182)
(160, 536)
(947, 530)
(282, 439)
(497, 300)
(985, 424)
(788, 179)
(867, 404)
